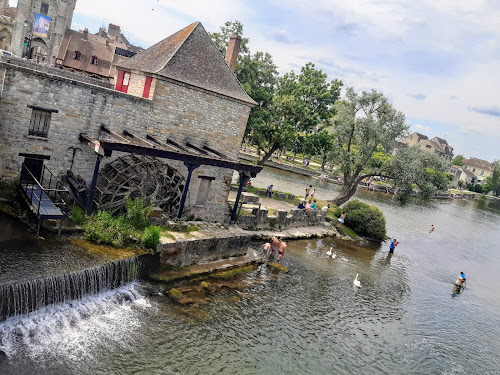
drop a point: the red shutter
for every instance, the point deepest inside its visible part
(147, 87)
(119, 80)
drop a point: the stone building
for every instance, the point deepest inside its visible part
(7, 16)
(45, 22)
(180, 91)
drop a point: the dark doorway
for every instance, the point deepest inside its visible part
(35, 166)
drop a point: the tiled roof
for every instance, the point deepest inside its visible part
(441, 140)
(92, 45)
(421, 136)
(468, 173)
(478, 163)
(9, 12)
(190, 56)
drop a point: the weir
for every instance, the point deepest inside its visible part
(26, 296)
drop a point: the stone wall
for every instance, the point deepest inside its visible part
(260, 219)
(176, 111)
(188, 252)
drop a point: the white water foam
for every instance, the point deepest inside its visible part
(77, 330)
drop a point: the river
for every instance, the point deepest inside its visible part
(404, 319)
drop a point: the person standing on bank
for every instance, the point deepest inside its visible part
(308, 191)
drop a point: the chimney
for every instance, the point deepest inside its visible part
(233, 48)
(86, 33)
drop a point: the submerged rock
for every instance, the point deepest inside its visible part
(278, 267)
(175, 294)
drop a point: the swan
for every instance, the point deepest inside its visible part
(356, 282)
(334, 255)
(329, 252)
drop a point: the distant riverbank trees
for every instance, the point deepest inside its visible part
(361, 134)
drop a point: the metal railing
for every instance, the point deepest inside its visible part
(48, 184)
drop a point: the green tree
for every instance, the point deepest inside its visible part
(301, 103)
(458, 160)
(258, 75)
(493, 183)
(221, 38)
(367, 130)
(412, 169)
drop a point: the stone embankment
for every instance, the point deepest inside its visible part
(215, 247)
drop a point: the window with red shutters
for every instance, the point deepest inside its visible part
(122, 81)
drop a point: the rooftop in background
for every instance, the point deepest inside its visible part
(478, 163)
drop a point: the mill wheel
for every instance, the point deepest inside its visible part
(134, 176)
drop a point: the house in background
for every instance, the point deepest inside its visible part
(480, 168)
(461, 174)
(438, 145)
(95, 54)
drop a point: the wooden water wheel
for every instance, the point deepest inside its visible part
(134, 176)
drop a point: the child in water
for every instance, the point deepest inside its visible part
(281, 251)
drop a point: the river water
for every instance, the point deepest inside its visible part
(404, 319)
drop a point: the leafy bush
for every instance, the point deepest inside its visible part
(365, 219)
(136, 213)
(78, 215)
(104, 228)
(151, 236)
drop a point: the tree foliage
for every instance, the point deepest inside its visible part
(258, 75)
(365, 123)
(417, 171)
(367, 130)
(365, 219)
(493, 183)
(221, 39)
(301, 103)
(458, 160)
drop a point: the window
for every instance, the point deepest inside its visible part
(122, 81)
(44, 8)
(77, 55)
(473, 169)
(428, 146)
(40, 120)
(204, 189)
(93, 60)
(482, 172)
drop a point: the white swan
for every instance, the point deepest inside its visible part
(356, 282)
(329, 252)
(334, 255)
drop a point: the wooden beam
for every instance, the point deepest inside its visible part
(93, 143)
(114, 134)
(186, 157)
(137, 139)
(163, 144)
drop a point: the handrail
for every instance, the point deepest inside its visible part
(58, 193)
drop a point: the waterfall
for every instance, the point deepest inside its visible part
(27, 296)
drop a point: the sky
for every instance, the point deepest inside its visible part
(438, 61)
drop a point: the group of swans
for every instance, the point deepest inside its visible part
(356, 282)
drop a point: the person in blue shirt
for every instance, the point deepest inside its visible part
(392, 246)
(461, 280)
